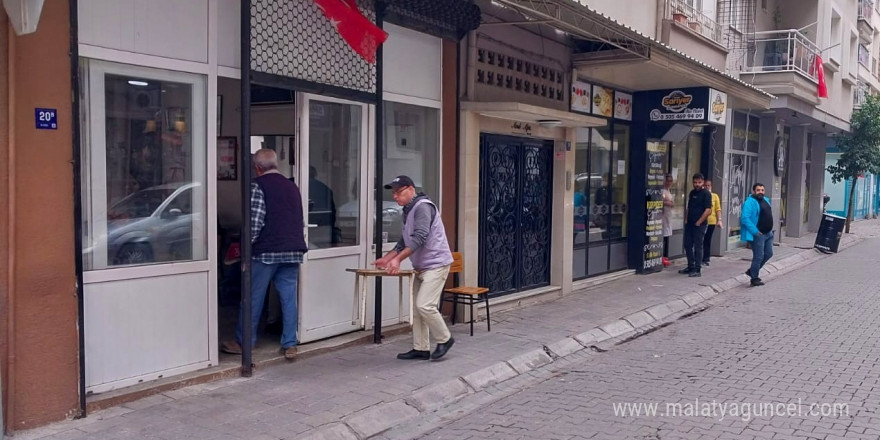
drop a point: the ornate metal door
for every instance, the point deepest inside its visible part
(516, 178)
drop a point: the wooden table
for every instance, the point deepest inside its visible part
(359, 309)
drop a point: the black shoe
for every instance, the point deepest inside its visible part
(705, 263)
(686, 271)
(749, 272)
(757, 282)
(441, 349)
(695, 274)
(415, 355)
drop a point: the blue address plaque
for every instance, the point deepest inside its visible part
(46, 118)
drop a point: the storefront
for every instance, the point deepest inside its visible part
(742, 172)
(163, 169)
(673, 130)
(601, 182)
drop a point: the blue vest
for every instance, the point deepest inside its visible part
(283, 231)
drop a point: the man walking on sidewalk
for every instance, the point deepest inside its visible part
(424, 243)
(699, 206)
(278, 246)
(757, 228)
(714, 221)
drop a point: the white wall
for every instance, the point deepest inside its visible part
(640, 15)
(167, 28)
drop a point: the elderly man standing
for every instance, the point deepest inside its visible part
(424, 243)
(278, 246)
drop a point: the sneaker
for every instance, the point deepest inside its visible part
(442, 348)
(757, 282)
(685, 271)
(415, 355)
(695, 274)
(289, 352)
(231, 347)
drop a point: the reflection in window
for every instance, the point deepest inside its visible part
(600, 170)
(620, 165)
(149, 207)
(334, 174)
(412, 148)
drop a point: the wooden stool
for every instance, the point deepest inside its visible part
(466, 295)
(359, 308)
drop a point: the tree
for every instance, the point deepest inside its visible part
(860, 149)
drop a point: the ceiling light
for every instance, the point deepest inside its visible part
(549, 123)
(138, 83)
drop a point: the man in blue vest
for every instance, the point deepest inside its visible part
(424, 243)
(278, 245)
(757, 228)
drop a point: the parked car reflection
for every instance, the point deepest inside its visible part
(152, 225)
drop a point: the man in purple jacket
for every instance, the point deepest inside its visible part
(424, 243)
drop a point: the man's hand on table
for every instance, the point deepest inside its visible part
(392, 266)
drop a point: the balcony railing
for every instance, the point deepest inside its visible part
(866, 10)
(782, 51)
(682, 12)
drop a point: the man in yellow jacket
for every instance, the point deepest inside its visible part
(713, 221)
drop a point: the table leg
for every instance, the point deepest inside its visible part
(356, 304)
(412, 297)
(399, 299)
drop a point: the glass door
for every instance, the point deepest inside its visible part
(149, 311)
(334, 153)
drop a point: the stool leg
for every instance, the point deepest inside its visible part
(355, 306)
(400, 300)
(472, 316)
(488, 321)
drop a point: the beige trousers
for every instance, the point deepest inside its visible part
(427, 320)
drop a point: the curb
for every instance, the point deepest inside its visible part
(380, 418)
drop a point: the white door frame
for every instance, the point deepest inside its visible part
(313, 258)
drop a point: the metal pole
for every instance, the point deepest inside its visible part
(77, 205)
(246, 312)
(380, 136)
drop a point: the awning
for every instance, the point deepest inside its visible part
(637, 61)
(517, 111)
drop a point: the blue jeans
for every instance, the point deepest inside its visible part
(762, 251)
(285, 277)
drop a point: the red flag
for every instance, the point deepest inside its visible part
(359, 32)
(820, 74)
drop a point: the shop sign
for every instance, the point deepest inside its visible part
(603, 101)
(623, 106)
(656, 164)
(581, 97)
(700, 104)
(46, 118)
(717, 107)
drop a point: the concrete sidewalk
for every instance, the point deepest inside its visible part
(362, 391)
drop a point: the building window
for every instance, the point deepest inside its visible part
(144, 166)
(412, 148)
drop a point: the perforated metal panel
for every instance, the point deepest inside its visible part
(293, 39)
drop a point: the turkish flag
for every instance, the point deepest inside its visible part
(820, 74)
(359, 32)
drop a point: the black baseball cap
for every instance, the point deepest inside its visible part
(399, 182)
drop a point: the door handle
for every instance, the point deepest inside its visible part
(312, 225)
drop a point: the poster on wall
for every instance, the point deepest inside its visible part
(581, 97)
(623, 106)
(603, 101)
(227, 153)
(653, 250)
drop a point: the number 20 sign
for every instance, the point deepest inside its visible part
(46, 118)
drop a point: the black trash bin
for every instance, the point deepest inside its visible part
(830, 231)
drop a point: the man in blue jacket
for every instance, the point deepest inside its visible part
(757, 228)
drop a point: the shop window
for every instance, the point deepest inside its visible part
(600, 172)
(620, 193)
(412, 148)
(144, 167)
(335, 132)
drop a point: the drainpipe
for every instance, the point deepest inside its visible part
(377, 192)
(10, 296)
